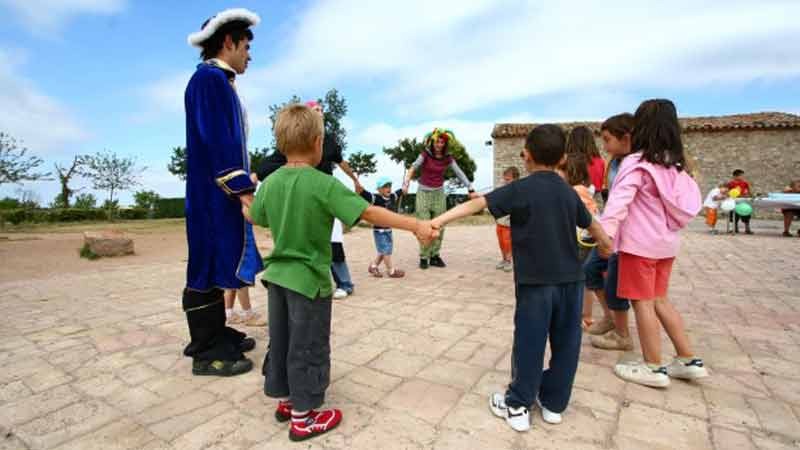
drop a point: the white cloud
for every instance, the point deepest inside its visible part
(43, 16)
(41, 122)
(166, 94)
(450, 57)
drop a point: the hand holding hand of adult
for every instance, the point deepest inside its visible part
(246, 213)
(246, 199)
(247, 202)
(425, 232)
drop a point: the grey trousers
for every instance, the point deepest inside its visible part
(298, 360)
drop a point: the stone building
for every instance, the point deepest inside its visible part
(765, 145)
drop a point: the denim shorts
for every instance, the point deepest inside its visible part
(593, 268)
(383, 241)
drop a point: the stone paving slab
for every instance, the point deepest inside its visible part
(92, 360)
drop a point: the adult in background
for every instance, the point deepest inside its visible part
(332, 156)
(431, 201)
(222, 250)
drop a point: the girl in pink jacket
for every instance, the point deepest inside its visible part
(652, 200)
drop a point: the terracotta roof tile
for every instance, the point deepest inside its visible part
(762, 120)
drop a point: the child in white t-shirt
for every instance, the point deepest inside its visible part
(712, 203)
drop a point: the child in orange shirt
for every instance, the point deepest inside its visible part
(575, 172)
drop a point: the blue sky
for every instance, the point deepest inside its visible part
(80, 76)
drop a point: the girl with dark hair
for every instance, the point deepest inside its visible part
(652, 200)
(611, 332)
(581, 140)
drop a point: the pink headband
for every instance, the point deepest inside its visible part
(312, 104)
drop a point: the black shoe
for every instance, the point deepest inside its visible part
(436, 261)
(423, 263)
(221, 368)
(748, 231)
(247, 344)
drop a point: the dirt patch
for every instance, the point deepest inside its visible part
(36, 254)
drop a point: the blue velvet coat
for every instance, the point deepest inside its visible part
(222, 250)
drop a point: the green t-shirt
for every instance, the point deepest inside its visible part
(298, 204)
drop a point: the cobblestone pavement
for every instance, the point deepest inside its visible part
(93, 361)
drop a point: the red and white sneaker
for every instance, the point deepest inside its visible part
(314, 423)
(284, 411)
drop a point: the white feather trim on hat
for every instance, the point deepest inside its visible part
(229, 15)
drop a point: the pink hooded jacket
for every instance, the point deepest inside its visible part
(649, 205)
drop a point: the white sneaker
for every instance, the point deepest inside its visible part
(547, 415)
(692, 370)
(339, 294)
(501, 265)
(497, 403)
(518, 419)
(639, 372)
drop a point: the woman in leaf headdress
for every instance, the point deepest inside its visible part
(431, 198)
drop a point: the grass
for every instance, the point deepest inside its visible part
(150, 226)
(87, 253)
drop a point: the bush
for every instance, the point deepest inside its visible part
(87, 253)
(85, 201)
(170, 208)
(9, 203)
(21, 215)
(133, 214)
(146, 199)
(74, 215)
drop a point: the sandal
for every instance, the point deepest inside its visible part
(375, 272)
(397, 273)
(586, 323)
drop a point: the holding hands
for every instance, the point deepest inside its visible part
(426, 231)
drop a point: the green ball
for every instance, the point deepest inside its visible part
(744, 209)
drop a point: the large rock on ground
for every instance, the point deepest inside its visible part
(108, 243)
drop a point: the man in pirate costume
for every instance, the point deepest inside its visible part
(222, 250)
(431, 202)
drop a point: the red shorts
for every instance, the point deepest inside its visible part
(643, 278)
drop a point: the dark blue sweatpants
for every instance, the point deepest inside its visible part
(542, 312)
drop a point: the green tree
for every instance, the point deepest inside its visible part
(334, 109)
(177, 162)
(113, 173)
(28, 198)
(65, 175)
(85, 201)
(408, 150)
(111, 206)
(15, 165)
(146, 199)
(363, 163)
(58, 202)
(257, 156)
(10, 203)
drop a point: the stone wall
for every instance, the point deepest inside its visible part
(770, 158)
